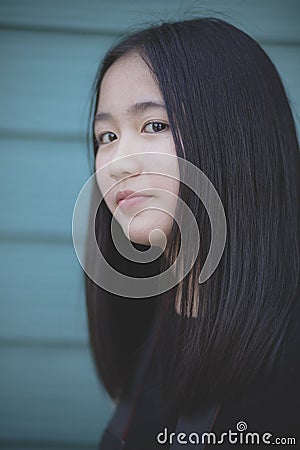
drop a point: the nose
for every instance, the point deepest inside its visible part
(126, 161)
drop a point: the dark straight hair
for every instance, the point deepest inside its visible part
(229, 116)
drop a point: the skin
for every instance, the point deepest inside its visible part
(131, 145)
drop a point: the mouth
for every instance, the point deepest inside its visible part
(127, 199)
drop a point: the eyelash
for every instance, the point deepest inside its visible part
(100, 136)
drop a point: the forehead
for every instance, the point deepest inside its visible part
(128, 80)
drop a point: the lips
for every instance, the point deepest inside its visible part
(121, 195)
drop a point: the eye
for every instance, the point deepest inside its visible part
(106, 138)
(155, 127)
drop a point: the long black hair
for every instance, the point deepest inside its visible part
(229, 116)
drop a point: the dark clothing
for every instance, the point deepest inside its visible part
(269, 407)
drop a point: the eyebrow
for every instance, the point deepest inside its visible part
(134, 109)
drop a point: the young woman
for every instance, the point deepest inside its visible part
(220, 355)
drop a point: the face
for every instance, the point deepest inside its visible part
(136, 152)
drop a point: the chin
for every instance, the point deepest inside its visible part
(141, 236)
(138, 237)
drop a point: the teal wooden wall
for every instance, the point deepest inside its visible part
(49, 51)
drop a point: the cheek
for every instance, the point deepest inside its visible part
(173, 184)
(102, 172)
(100, 178)
(103, 182)
(171, 168)
(170, 178)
